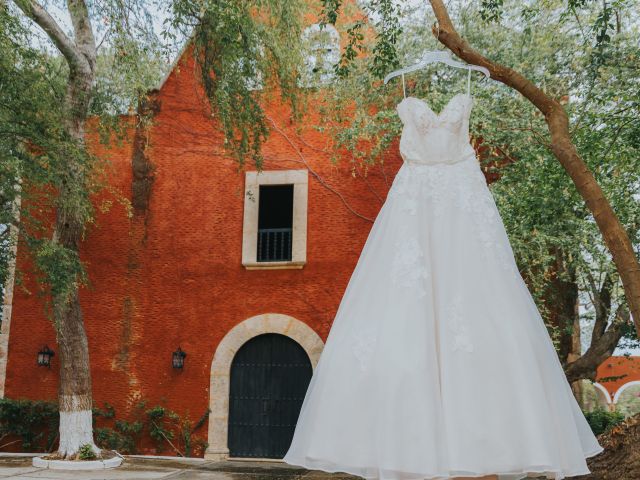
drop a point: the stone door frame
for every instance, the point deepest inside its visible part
(293, 328)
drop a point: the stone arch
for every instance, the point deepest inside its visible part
(620, 390)
(605, 393)
(293, 328)
(592, 395)
(626, 398)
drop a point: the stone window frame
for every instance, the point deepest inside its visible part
(300, 181)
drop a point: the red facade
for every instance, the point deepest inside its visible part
(171, 274)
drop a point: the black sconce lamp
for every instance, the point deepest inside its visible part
(177, 359)
(44, 356)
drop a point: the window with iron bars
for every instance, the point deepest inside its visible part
(275, 222)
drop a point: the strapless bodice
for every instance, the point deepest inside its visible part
(430, 138)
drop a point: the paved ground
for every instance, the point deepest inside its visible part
(19, 468)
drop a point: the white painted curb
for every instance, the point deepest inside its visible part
(77, 465)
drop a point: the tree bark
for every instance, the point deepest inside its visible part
(587, 365)
(74, 391)
(561, 298)
(615, 236)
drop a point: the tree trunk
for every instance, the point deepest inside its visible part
(561, 296)
(614, 234)
(74, 395)
(74, 392)
(561, 299)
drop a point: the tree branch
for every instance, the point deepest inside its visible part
(44, 20)
(613, 233)
(587, 365)
(602, 305)
(446, 33)
(83, 30)
(315, 174)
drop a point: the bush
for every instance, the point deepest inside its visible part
(34, 422)
(602, 420)
(168, 428)
(34, 425)
(122, 436)
(86, 452)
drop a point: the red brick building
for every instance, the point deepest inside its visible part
(210, 258)
(242, 271)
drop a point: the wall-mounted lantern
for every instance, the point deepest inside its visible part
(178, 358)
(44, 356)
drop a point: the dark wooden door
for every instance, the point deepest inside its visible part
(269, 378)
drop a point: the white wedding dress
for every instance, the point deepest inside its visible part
(438, 364)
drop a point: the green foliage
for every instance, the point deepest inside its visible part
(161, 423)
(601, 420)
(385, 17)
(121, 436)
(39, 160)
(354, 46)
(558, 49)
(388, 29)
(167, 427)
(23, 118)
(187, 429)
(241, 47)
(61, 267)
(86, 452)
(491, 10)
(33, 422)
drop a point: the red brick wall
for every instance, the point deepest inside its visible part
(615, 372)
(173, 276)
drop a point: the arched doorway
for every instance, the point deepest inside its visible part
(226, 350)
(269, 378)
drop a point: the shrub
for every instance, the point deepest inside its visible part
(86, 452)
(168, 428)
(33, 422)
(122, 435)
(602, 420)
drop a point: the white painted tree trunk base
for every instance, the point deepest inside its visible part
(76, 430)
(40, 462)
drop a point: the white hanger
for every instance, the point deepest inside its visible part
(442, 56)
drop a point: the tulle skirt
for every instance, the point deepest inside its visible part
(438, 364)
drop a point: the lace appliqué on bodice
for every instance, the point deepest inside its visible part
(425, 118)
(429, 137)
(431, 172)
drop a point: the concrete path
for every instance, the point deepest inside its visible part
(150, 468)
(19, 468)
